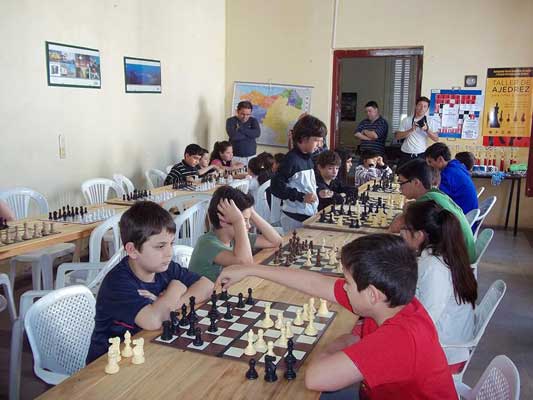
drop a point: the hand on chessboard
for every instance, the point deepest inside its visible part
(231, 275)
(228, 212)
(310, 198)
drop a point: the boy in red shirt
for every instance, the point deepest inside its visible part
(398, 355)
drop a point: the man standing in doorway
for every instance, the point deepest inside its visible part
(414, 131)
(243, 130)
(373, 130)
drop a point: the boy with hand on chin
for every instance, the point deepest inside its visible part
(231, 213)
(142, 290)
(398, 355)
(330, 190)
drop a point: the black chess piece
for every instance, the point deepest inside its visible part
(287, 262)
(270, 369)
(252, 373)
(192, 328)
(311, 245)
(49, 216)
(224, 295)
(322, 216)
(192, 309)
(212, 324)
(357, 224)
(175, 323)
(331, 221)
(198, 341)
(228, 314)
(167, 331)
(249, 300)
(290, 349)
(184, 321)
(290, 373)
(240, 303)
(352, 224)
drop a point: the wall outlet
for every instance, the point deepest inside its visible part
(62, 147)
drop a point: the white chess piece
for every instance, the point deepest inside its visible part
(308, 262)
(252, 334)
(298, 321)
(282, 340)
(270, 351)
(323, 309)
(288, 330)
(279, 322)
(138, 351)
(267, 322)
(250, 349)
(323, 245)
(260, 344)
(305, 313)
(312, 308)
(127, 351)
(339, 269)
(115, 344)
(311, 330)
(112, 362)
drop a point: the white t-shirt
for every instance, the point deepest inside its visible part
(416, 142)
(434, 289)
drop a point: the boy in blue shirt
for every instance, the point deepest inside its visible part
(294, 182)
(142, 290)
(455, 180)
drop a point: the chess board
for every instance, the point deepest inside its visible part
(300, 261)
(25, 233)
(159, 197)
(92, 216)
(230, 340)
(378, 187)
(376, 223)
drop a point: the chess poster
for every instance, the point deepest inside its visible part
(508, 107)
(456, 112)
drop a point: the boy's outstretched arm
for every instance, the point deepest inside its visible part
(311, 283)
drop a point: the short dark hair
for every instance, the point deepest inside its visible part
(384, 261)
(204, 151)
(467, 158)
(437, 150)
(417, 168)
(365, 155)
(279, 157)
(245, 104)
(423, 98)
(142, 220)
(242, 201)
(308, 126)
(193, 150)
(328, 157)
(371, 103)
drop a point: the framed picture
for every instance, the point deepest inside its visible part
(142, 75)
(73, 66)
(348, 106)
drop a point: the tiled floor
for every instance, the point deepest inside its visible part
(510, 331)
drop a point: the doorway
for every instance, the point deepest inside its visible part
(391, 77)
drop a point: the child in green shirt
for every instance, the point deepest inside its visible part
(231, 214)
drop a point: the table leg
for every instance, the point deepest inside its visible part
(517, 206)
(509, 204)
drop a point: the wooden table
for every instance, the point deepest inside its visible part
(160, 190)
(171, 373)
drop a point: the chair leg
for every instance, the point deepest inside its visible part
(15, 358)
(12, 273)
(36, 274)
(46, 268)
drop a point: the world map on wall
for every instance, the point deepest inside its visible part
(275, 106)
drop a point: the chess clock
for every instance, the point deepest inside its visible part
(470, 80)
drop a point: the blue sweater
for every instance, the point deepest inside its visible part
(456, 182)
(242, 136)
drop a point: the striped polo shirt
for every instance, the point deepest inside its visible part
(180, 171)
(381, 127)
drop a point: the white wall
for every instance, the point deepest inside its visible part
(107, 130)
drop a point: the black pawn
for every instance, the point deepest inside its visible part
(175, 323)
(184, 321)
(212, 326)
(290, 348)
(250, 300)
(224, 295)
(198, 341)
(252, 373)
(167, 331)
(228, 314)
(240, 303)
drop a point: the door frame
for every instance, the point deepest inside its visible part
(339, 55)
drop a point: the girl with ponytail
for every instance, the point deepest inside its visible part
(222, 156)
(446, 284)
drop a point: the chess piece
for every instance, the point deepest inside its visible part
(112, 362)
(115, 344)
(290, 350)
(323, 309)
(340, 221)
(192, 328)
(212, 325)
(270, 349)
(298, 321)
(167, 331)
(35, 231)
(52, 228)
(288, 330)
(270, 369)
(240, 303)
(308, 262)
(318, 261)
(305, 313)
(260, 344)
(138, 351)
(184, 321)
(198, 341)
(267, 321)
(333, 258)
(26, 234)
(252, 373)
(279, 322)
(312, 308)
(289, 374)
(224, 295)
(249, 300)
(127, 351)
(250, 349)
(192, 309)
(282, 340)
(17, 237)
(311, 330)
(228, 314)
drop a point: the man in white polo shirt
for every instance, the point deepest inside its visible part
(414, 131)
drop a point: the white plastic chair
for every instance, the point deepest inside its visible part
(484, 207)
(8, 297)
(85, 272)
(480, 191)
(59, 327)
(96, 191)
(20, 201)
(182, 254)
(499, 381)
(482, 315)
(471, 216)
(124, 182)
(190, 224)
(261, 203)
(241, 184)
(168, 168)
(155, 178)
(481, 244)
